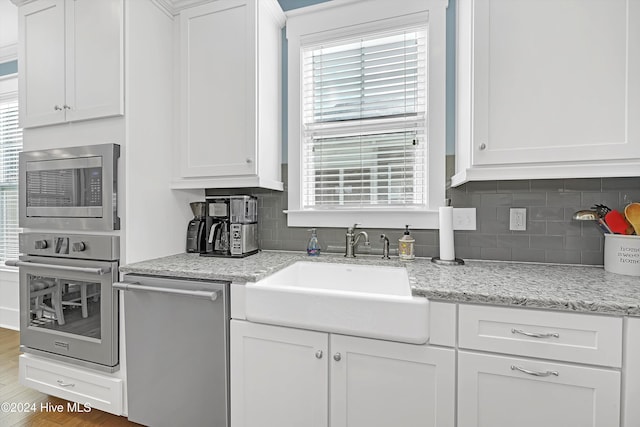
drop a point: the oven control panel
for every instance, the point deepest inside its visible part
(85, 246)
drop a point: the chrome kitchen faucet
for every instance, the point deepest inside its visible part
(351, 240)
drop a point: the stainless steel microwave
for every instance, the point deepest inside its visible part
(72, 188)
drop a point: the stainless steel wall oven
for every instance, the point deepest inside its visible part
(70, 188)
(68, 307)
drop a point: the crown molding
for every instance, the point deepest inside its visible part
(21, 2)
(173, 7)
(170, 7)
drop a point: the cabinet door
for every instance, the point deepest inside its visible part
(218, 86)
(378, 383)
(555, 81)
(42, 52)
(496, 391)
(279, 376)
(94, 55)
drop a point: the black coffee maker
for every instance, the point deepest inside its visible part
(197, 228)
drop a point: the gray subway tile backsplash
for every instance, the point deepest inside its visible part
(513, 241)
(547, 242)
(551, 234)
(583, 184)
(609, 198)
(563, 256)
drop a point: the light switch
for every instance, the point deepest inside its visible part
(518, 219)
(464, 218)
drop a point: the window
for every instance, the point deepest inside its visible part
(366, 113)
(10, 146)
(364, 122)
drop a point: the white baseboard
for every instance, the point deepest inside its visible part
(9, 318)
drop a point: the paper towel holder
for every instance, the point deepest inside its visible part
(455, 261)
(440, 261)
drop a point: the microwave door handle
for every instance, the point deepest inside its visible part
(99, 270)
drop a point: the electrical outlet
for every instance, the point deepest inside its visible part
(464, 218)
(518, 219)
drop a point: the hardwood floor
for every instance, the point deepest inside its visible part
(13, 393)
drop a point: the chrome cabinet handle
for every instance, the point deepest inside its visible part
(63, 384)
(337, 357)
(57, 108)
(319, 354)
(535, 334)
(483, 146)
(534, 373)
(66, 107)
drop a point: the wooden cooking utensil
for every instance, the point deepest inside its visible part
(632, 212)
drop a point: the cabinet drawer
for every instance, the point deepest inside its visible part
(98, 391)
(571, 337)
(511, 391)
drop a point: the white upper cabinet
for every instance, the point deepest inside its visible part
(230, 95)
(547, 89)
(70, 60)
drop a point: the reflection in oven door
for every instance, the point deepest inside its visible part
(71, 306)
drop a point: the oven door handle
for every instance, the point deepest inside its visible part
(100, 270)
(132, 286)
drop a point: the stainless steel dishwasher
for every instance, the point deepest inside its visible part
(177, 351)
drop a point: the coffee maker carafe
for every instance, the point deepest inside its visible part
(197, 228)
(218, 240)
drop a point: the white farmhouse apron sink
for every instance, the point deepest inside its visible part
(366, 301)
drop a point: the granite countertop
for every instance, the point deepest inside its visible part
(548, 286)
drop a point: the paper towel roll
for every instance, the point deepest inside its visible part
(447, 251)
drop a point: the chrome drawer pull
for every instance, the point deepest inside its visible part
(534, 373)
(534, 334)
(63, 384)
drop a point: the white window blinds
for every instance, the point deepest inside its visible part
(364, 119)
(10, 146)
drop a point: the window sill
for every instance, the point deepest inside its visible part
(383, 218)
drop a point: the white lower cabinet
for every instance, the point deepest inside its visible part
(377, 383)
(284, 377)
(278, 376)
(503, 391)
(90, 389)
(556, 369)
